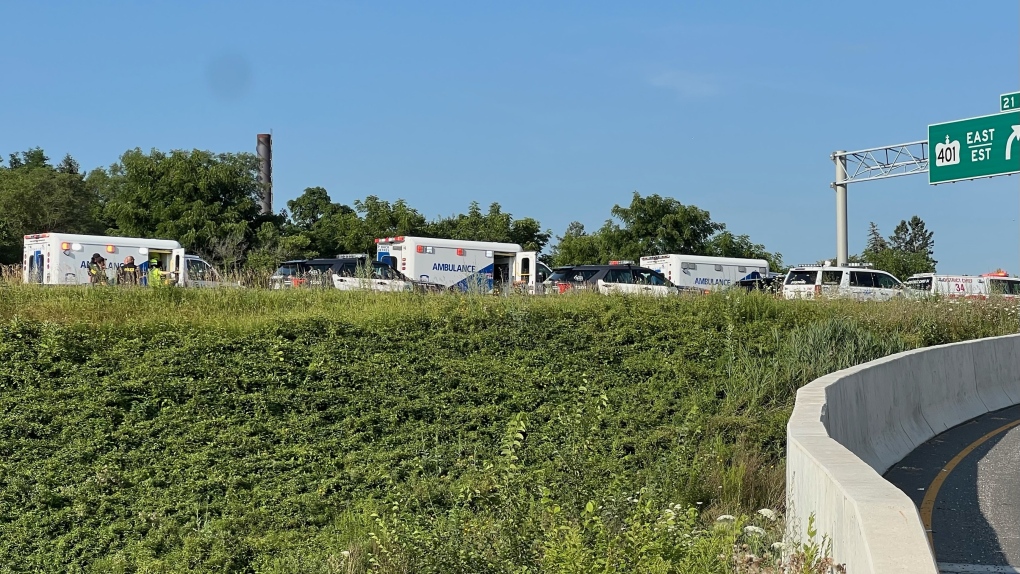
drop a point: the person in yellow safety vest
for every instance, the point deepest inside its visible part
(128, 272)
(155, 273)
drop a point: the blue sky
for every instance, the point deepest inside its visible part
(555, 110)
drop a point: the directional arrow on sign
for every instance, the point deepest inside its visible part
(1015, 136)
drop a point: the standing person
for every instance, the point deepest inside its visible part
(97, 270)
(128, 272)
(155, 273)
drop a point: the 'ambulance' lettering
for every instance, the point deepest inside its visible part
(452, 267)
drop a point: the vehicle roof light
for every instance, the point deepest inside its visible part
(621, 262)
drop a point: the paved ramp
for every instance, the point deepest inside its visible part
(966, 485)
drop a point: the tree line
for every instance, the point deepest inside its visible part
(209, 203)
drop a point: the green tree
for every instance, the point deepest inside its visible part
(36, 197)
(198, 198)
(333, 228)
(913, 237)
(495, 225)
(325, 224)
(274, 247)
(577, 247)
(876, 242)
(310, 207)
(656, 225)
(726, 244)
(907, 251)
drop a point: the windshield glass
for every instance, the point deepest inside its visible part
(801, 277)
(381, 270)
(1004, 286)
(287, 269)
(921, 284)
(571, 274)
(649, 277)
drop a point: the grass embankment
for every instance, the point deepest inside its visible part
(251, 431)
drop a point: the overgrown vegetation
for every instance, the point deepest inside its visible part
(170, 430)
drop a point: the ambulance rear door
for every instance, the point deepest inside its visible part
(178, 268)
(526, 272)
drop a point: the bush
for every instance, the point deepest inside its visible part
(241, 430)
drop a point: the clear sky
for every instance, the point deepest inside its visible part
(556, 110)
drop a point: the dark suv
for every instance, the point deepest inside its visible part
(613, 278)
(319, 272)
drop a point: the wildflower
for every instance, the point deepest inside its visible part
(778, 546)
(754, 530)
(726, 518)
(346, 553)
(768, 513)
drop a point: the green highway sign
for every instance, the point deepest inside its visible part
(975, 147)
(1009, 102)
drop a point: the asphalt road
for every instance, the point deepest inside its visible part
(966, 485)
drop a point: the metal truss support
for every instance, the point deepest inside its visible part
(869, 165)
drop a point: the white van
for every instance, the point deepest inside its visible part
(852, 282)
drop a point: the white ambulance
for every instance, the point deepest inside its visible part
(63, 259)
(966, 286)
(703, 272)
(464, 265)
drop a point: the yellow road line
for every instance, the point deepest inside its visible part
(928, 504)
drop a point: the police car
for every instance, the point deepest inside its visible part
(854, 281)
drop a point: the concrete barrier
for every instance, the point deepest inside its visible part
(849, 427)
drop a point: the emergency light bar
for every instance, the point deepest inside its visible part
(390, 239)
(621, 262)
(352, 255)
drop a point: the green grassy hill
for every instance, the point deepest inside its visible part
(249, 431)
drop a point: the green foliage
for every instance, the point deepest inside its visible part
(326, 431)
(726, 244)
(907, 251)
(492, 226)
(208, 202)
(655, 225)
(36, 197)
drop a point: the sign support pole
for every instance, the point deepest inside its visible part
(842, 242)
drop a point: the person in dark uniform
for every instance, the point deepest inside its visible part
(97, 270)
(128, 272)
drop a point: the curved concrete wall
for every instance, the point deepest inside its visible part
(849, 427)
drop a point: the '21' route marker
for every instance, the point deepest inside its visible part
(974, 147)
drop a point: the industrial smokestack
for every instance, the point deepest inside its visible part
(264, 150)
